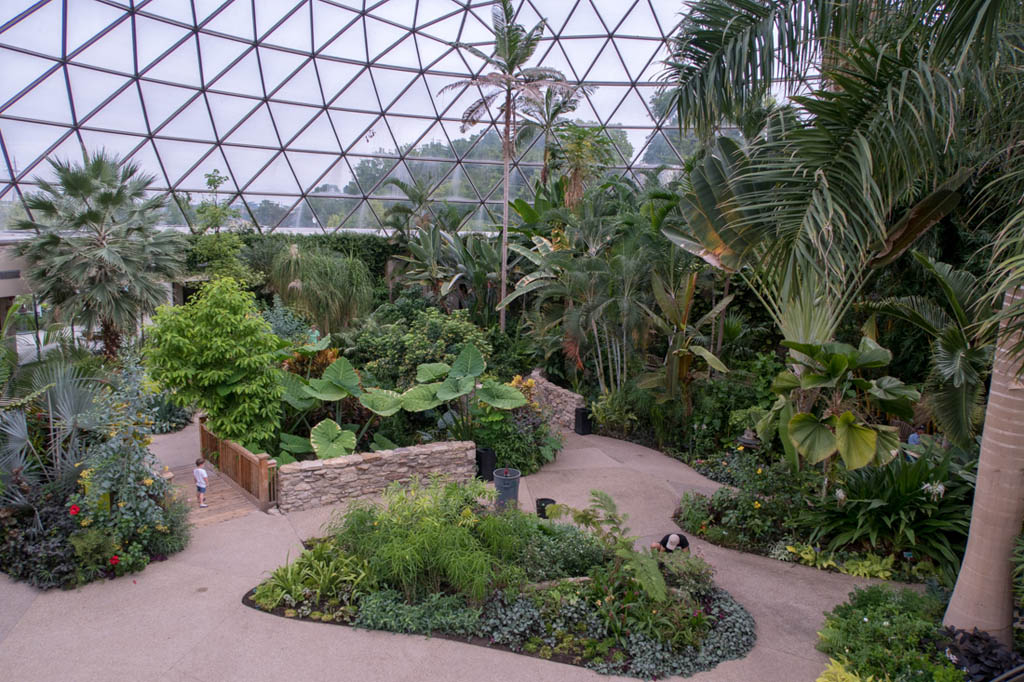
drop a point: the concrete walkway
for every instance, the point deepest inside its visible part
(182, 620)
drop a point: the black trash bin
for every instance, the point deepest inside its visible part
(583, 425)
(542, 506)
(486, 460)
(506, 482)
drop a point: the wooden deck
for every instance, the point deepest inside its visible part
(225, 499)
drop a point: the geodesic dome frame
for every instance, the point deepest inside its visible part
(311, 107)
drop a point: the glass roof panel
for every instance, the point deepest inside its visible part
(34, 31)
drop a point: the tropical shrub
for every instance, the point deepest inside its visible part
(522, 438)
(890, 634)
(217, 254)
(284, 322)
(328, 288)
(167, 415)
(216, 353)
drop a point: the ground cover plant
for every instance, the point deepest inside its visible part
(435, 558)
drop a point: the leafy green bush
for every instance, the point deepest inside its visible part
(890, 634)
(217, 254)
(36, 549)
(217, 354)
(321, 577)
(284, 322)
(522, 438)
(740, 519)
(167, 415)
(391, 352)
(688, 572)
(922, 507)
(561, 551)
(387, 610)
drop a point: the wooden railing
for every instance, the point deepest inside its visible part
(255, 473)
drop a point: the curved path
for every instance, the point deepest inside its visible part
(182, 620)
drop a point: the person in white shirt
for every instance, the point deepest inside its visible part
(199, 473)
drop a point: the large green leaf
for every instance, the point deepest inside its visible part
(784, 383)
(709, 358)
(421, 398)
(314, 348)
(887, 444)
(341, 373)
(870, 354)
(469, 363)
(432, 371)
(295, 445)
(381, 442)
(785, 413)
(380, 401)
(500, 396)
(856, 442)
(329, 440)
(452, 388)
(295, 393)
(812, 438)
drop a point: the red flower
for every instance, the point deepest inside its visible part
(74, 509)
(114, 560)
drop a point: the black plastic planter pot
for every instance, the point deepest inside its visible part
(485, 463)
(542, 506)
(506, 482)
(583, 425)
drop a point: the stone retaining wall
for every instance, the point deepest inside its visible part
(321, 482)
(560, 401)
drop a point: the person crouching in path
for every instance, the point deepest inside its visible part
(671, 543)
(201, 477)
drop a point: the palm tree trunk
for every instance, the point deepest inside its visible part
(506, 154)
(982, 597)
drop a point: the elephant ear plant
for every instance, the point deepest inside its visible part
(822, 405)
(456, 386)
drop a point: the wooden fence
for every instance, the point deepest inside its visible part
(255, 473)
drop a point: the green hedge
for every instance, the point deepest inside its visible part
(372, 249)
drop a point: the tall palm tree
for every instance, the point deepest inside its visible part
(548, 117)
(511, 82)
(95, 253)
(915, 98)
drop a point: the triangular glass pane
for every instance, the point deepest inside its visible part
(18, 71)
(637, 54)
(87, 18)
(455, 103)
(328, 19)
(612, 13)
(276, 178)
(246, 162)
(291, 118)
(334, 76)
(163, 100)
(362, 218)
(193, 123)
(415, 100)
(476, 30)
(318, 136)
(301, 217)
(278, 65)
(293, 33)
(70, 149)
(205, 8)
(487, 144)
(243, 78)
(228, 111)
(431, 49)
(398, 11)
(632, 111)
(407, 131)
(626, 142)
(521, 182)
(27, 142)
(608, 67)
(369, 172)
(351, 126)
(654, 71)
(109, 51)
(269, 12)
(218, 53)
(581, 53)
(641, 22)
(554, 58)
(386, 189)
(445, 29)
(47, 101)
(480, 179)
(351, 44)
(390, 84)
(310, 167)
(331, 212)
(35, 32)
(376, 140)
(123, 113)
(583, 22)
(89, 88)
(654, 99)
(180, 66)
(339, 180)
(234, 20)
(258, 129)
(180, 157)
(268, 211)
(528, 17)
(605, 100)
(403, 54)
(380, 36)
(359, 94)
(196, 180)
(147, 160)
(435, 144)
(121, 145)
(302, 87)
(458, 62)
(430, 172)
(171, 9)
(153, 38)
(555, 14)
(482, 219)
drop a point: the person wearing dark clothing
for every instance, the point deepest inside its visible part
(671, 543)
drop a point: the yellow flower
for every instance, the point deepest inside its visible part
(78, 464)
(121, 503)
(740, 447)
(757, 505)
(758, 471)
(147, 482)
(85, 522)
